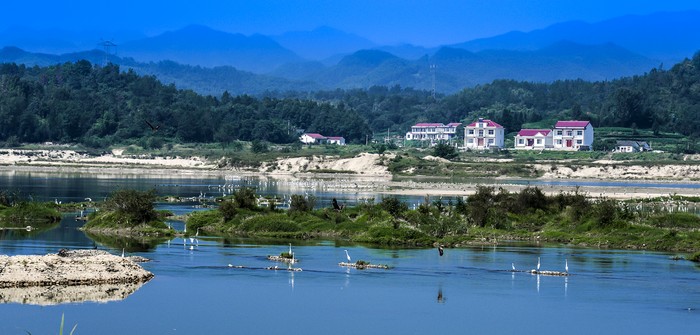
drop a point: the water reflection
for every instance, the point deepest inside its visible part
(54, 295)
(440, 297)
(129, 244)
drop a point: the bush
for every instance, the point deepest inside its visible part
(694, 257)
(394, 206)
(259, 147)
(445, 151)
(245, 198)
(228, 210)
(135, 207)
(300, 203)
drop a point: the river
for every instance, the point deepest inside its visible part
(468, 290)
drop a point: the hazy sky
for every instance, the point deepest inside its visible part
(421, 22)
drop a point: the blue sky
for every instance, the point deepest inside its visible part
(420, 22)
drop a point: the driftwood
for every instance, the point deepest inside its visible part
(361, 266)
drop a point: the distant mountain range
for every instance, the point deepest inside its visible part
(211, 61)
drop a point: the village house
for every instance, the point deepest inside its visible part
(315, 138)
(336, 140)
(534, 139)
(312, 138)
(632, 146)
(484, 134)
(572, 135)
(433, 132)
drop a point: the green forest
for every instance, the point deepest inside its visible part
(99, 106)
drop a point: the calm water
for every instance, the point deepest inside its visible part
(468, 290)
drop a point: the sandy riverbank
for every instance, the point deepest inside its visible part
(365, 173)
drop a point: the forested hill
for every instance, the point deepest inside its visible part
(99, 106)
(662, 100)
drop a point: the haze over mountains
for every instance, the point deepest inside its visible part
(211, 61)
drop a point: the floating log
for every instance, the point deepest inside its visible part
(549, 273)
(362, 266)
(283, 269)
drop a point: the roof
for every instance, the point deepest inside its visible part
(572, 124)
(533, 132)
(335, 138)
(425, 124)
(628, 143)
(489, 123)
(454, 124)
(315, 135)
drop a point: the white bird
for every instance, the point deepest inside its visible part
(88, 199)
(512, 265)
(191, 247)
(122, 252)
(348, 256)
(290, 248)
(538, 264)
(566, 265)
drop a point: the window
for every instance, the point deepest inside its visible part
(579, 132)
(538, 141)
(470, 141)
(481, 133)
(559, 142)
(559, 132)
(471, 131)
(490, 131)
(569, 133)
(579, 141)
(490, 141)
(520, 141)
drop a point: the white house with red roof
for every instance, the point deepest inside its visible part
(573, 135)
(433, 132)
(534, 139)
(484, 134)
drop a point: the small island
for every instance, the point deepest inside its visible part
(69, 268)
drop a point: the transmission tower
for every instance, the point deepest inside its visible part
(109, 48)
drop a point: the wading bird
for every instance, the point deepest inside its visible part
(440, 250)
(153, 128)
(348, 256)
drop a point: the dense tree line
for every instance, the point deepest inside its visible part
(98, 106)
(662, 100)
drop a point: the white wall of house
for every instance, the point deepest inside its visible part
(336, 140)
(541, 140)
(432, 132)
(484, 134)
(572, 137)
(311, 139)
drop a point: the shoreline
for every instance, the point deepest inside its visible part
(376, 179)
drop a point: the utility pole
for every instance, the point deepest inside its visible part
(433, 67)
